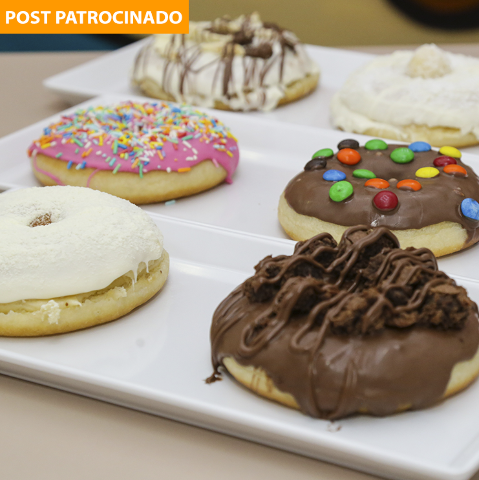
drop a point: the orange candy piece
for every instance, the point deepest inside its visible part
(377, 183)
(409, 185)
(348, 156)
(455, 169)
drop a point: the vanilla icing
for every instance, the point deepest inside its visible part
(93, 239)
(425, 87)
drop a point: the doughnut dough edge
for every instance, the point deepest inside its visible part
(32, 317)
(257, 380)
(294, 91)
(156, 186)
(442, 238)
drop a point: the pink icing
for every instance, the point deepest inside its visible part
(216, 143)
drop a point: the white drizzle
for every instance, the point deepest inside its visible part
(94, 238)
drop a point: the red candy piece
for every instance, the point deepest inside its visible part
(385, 201)
(348, 156)
(409, 185)
(455, 170)
(443, 161)
(377, 183)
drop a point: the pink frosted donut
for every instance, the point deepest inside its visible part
(143, 152)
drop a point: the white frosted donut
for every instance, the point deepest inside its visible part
(427, 94)
(59, 241)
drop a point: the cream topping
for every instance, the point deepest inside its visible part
(93, 239)
(191, 68)
(426, 87)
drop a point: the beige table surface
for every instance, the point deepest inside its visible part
(49, 434)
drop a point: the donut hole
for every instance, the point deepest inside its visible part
(41, 220)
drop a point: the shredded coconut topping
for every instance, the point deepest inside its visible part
(92, 239)
(442, 92)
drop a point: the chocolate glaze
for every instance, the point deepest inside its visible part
(438, 200)
(359, 326)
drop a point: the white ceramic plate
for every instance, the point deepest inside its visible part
(156, 359)
(110, 74)
(272, 153)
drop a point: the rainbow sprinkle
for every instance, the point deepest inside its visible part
(133, 132)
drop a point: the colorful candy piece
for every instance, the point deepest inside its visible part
(334, 175)
(363, 173)
(325, 153)
(340, 191)
(455, 170)
(443, 161)
(385, 201)
(420, 147)
(315, 164)
(377, 183)
(376, 144)
(348, 143)
(348, 156)
(409, 185)
(470, 208)
(450, 152)
(402, 155)
(427, 172)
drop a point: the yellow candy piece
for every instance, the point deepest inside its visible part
(450, 152)
(427, 172)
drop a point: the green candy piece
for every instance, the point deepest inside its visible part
(376, 144)
(340, 191)
(402, 155)
(323, 153)
(363, 173)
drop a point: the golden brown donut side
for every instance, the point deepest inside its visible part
(294, 91)
(155, 186)
(32, 317)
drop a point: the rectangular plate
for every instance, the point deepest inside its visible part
(156, 359)
(272, 153)
(111, 74)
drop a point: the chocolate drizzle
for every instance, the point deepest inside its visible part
(262, 45)
(362, 325)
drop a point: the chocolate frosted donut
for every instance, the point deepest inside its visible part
(362, 326)
(428, 198)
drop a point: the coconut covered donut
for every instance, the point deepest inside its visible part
(359, 327)
(427, 94)
(428, 198)
(241, 64)
(142, 152)
(71, 258)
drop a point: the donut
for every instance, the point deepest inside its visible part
(72, 258)
(428, 198)
(356, 327)
(427, 94)
(142, 152)
(240, 64)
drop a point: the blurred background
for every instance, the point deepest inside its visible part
(322, 22)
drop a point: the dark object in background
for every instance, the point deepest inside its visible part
(445, 14)
(61, 42)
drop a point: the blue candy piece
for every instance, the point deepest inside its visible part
(334, 175)
(470, 208)
(176, 110)
(420, 147)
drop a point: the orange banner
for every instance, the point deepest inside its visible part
(26, 16)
